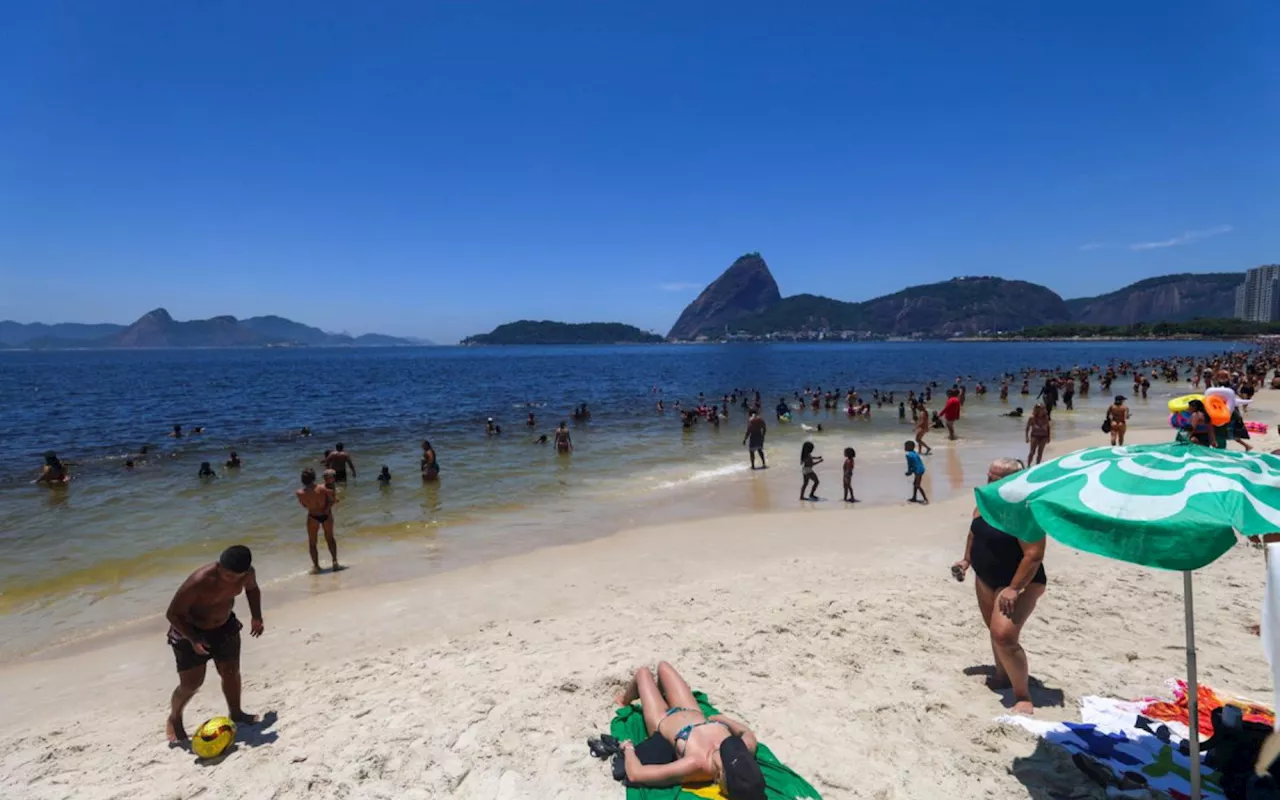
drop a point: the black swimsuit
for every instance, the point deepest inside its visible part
(995, 555)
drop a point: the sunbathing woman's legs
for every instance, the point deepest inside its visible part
(644, 689)
(674, 688)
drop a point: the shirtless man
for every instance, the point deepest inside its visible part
(203, 627)
(340, 461)
(318, 501)
(754, 439)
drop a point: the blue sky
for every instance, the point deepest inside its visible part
(436, 169)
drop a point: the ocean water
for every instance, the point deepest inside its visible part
(101, 551)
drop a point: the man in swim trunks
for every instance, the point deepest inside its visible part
(754, 438)
(684, 744)
(318, 501)
(340, 461)
(203, 628)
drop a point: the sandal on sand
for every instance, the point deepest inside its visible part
(603, 747)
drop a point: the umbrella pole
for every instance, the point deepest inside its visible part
(1193, 687)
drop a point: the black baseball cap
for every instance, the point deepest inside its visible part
(742, 777)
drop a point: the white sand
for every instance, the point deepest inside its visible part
(840, 638)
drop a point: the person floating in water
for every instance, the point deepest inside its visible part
(429, 466)
(1016, 413)
(319, 502)
(384, 477)
(531, 422)
(234, 461)
(206, 470)
(176, 433)
(807, 462)
(915, 471)
(202, 627)
(489, 427)
(53, 473)
(128, 464)
(541, 439)
(305, 432)
(340, 461)
(849, 455)
(196, 431)
(564, 444)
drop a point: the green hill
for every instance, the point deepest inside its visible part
(547, 332)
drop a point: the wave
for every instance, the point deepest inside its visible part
(704, 475)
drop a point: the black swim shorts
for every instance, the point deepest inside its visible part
(222, 643)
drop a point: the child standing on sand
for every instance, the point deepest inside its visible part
(807, 462)
(849, 455)
(915, 470)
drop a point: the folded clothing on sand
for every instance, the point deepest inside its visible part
(781, 783)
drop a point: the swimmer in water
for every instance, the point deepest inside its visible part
(428, 465)
(197, 430)
(1016, 413)
(811, 428)
(234, 461)
(564, 444)
(384, 477)
(176, 433)
(531, 422)
(206, 470)
(53, 473)
(541, 439)
(304, 432)
(128, 464)
(339, 461)
(319, 502)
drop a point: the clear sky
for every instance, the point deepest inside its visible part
(437, 168)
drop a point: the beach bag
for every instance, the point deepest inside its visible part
(1106, 423)
(1232, 751)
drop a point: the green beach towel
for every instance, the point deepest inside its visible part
(780, 782)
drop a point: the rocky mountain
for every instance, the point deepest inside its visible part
(745, 289)
(1169, 298)
(159, 329)
(20, 334)
(961, 306)
(547, 332)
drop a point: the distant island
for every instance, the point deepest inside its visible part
(745, 304)
(157, 329)
(547, 332)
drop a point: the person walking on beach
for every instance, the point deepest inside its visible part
(428, 465)
(915, 470)
(340, 461)
(564, 444)
(922, 429)
(1009, 581)
(849, 455)
(1038, 432)
(951, 412)
(807, 462)
(202, 627)
(1118, 415)
(319, 502)
(754, 438)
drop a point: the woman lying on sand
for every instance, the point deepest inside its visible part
(1010, 579)
(701, 748)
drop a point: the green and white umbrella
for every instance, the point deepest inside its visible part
(1173, 506)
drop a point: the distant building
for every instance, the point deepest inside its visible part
(1258, 298)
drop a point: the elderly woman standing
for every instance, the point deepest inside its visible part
(1009, 578)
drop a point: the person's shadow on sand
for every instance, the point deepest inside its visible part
(255, 735)
(1041, 696)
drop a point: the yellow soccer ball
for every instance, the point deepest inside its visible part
(213, 737)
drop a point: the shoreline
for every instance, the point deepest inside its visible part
(484, 681)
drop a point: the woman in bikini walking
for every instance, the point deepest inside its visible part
(318, 501)
(1038, 433)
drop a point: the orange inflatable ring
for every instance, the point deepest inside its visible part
(1219, 414)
